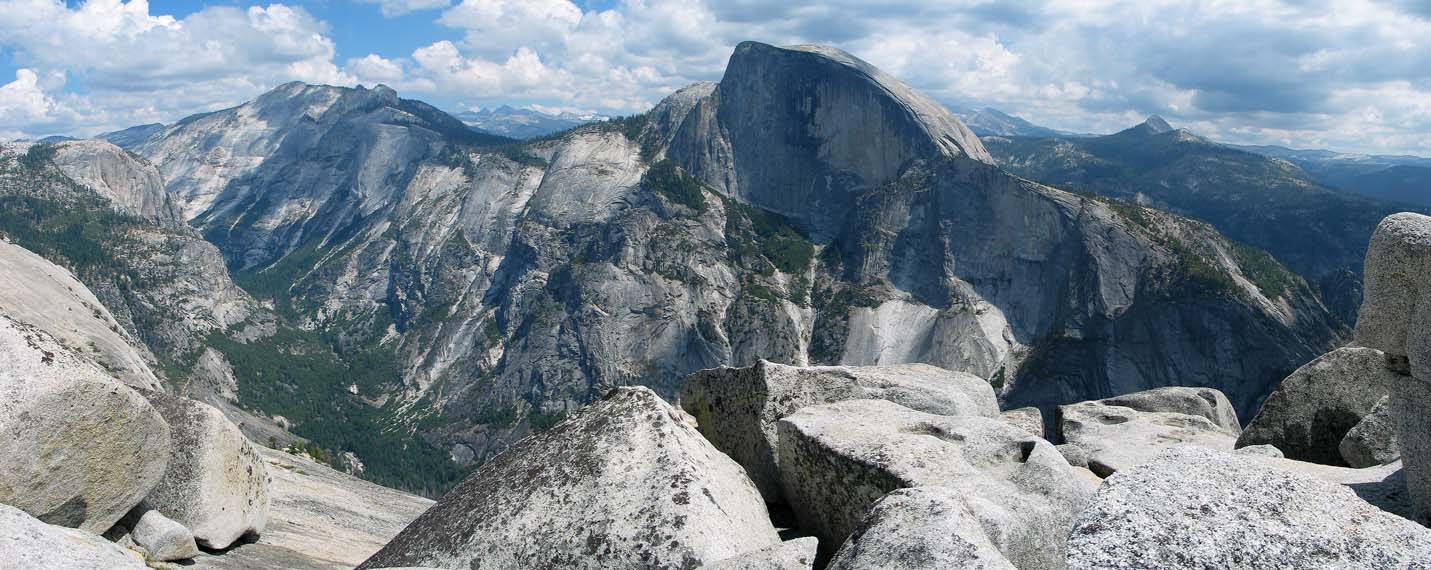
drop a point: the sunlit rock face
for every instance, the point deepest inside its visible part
(806, 209)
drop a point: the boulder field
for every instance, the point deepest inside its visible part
(891, 467)
(88, 441)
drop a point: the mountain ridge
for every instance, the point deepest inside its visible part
(485, 291)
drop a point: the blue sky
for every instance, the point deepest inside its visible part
(1350, 75)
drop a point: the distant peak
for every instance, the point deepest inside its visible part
(1157, 125)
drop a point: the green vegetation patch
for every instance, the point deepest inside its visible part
(668, 180)
(1263, 270)
(294, 374)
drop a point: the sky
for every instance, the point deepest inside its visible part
(1347, 75)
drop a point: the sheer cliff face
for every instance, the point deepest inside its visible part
(963, 265)
(808, 208)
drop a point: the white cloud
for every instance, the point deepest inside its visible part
(1352, 74)
(395, 8)
(135, 67)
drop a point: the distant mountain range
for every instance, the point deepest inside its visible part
(989, 121)
(1314, 228)
(524, 123)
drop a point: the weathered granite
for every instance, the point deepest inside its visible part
(625, 483)
(77, 447)
(1198, 509)
(737, 408)
(920, 528)
(839, 459)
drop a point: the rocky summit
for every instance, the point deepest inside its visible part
(799, 318)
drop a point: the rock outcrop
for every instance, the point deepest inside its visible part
(921, 528)
(1198, 508)
(807, 209)
(27, 543)
(625, 483)
(1373, 441)
(77, 447)
(216, 484)
(1395, 318)
(319, 519)
(1193, 401)
(839, 459)
(154, 535)
(737, 408)
(131, 184)
(797, 554)
(35, 291)
(1116, 437)
(1027, 419)
(1313, 409)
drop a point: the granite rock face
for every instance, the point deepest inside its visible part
(156, 536)
(319, 519)
(1314, 408)
(1027, 419)
(1373, 441)
(29, 544)
(1198, 509)
(1395, 317)
(132, 185)
(833, 216)
(77, 447)
(737, 408)
(797, 554)
(1192, 401)
(216, 484)
(839, 459)
(625, 483)
(920, 528)
(34, 290)
(1117, 437)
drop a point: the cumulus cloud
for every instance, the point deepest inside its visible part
(135, 67)
(1350, 74)
(395, 8)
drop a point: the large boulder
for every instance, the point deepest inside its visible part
(1395, 318)
(737, 408)
(1373, 441)
(1194, 508)
(158, 537)
(797, 554)
(1209, 403)
(1029, 419)
(1313, 409)
(77, 447)
(48, 297)
(27, 543)
(923, 528)
(625, 483)
(216, 484)
(839, 459)
(1114, 437)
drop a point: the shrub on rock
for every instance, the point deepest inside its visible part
(625, 483)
